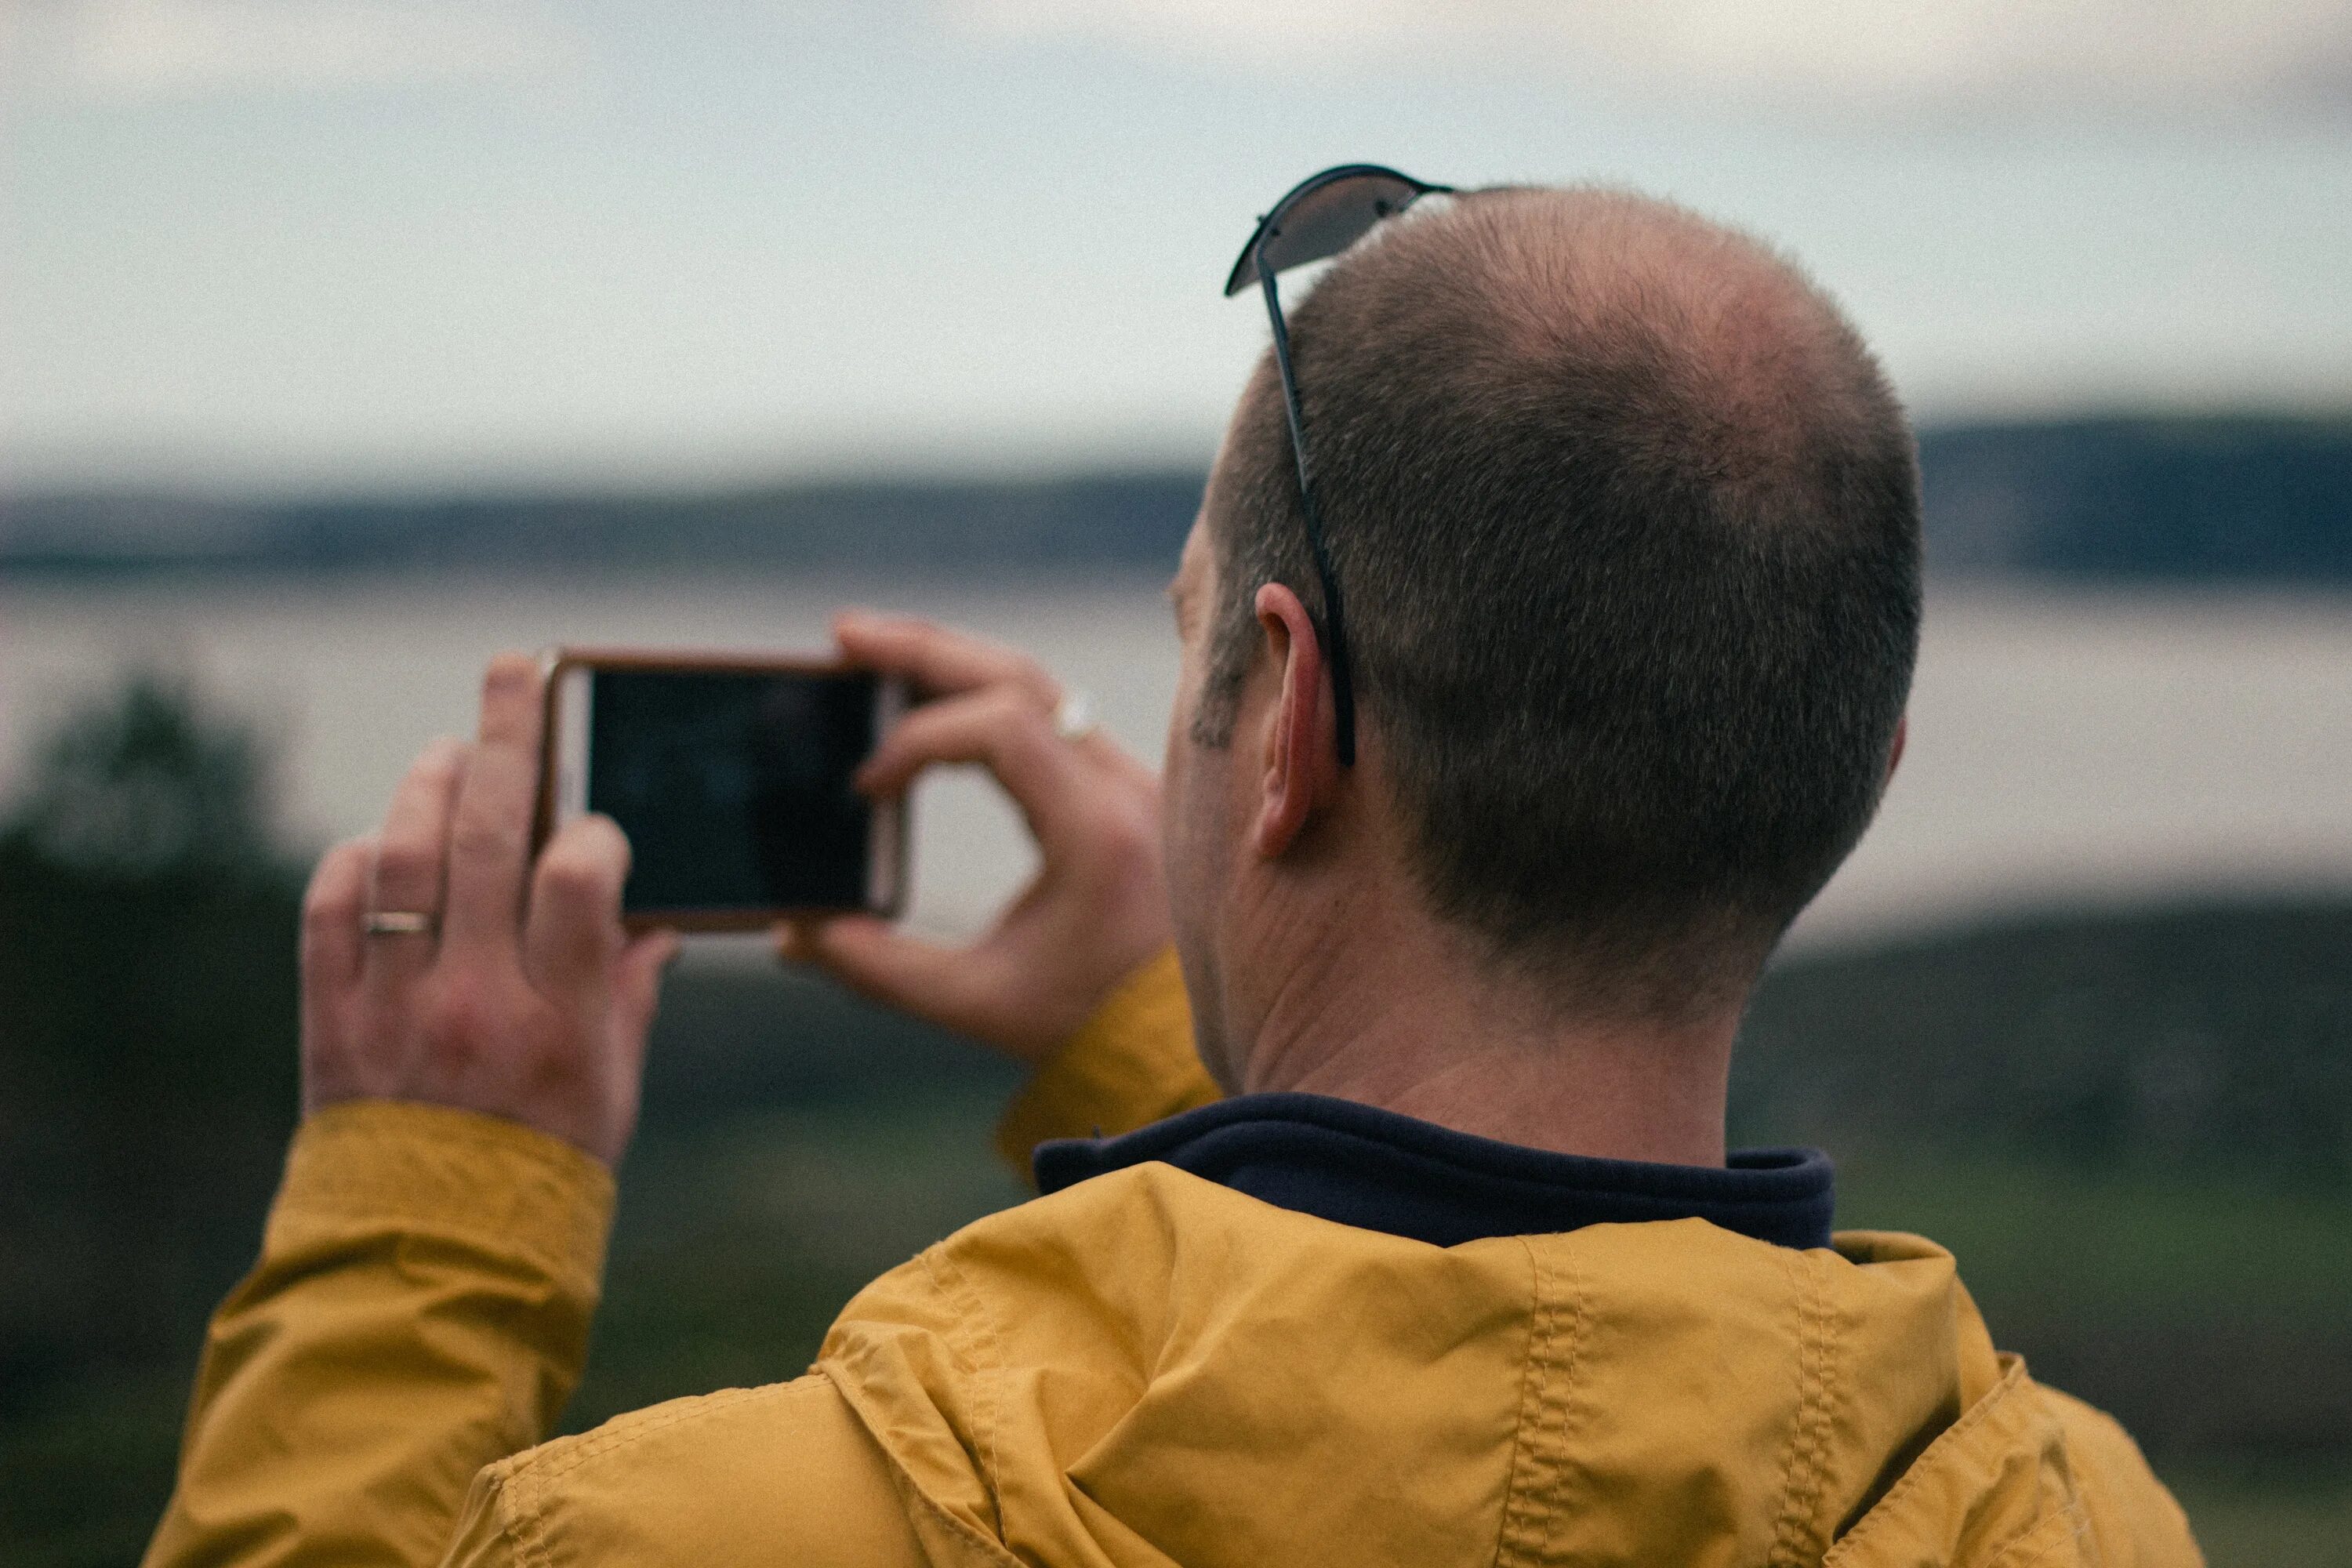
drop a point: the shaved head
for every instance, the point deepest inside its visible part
(1627, 520)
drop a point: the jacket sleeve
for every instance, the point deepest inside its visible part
(1130, 1065)
(420, 1310)
(781, 1473)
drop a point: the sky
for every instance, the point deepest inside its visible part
(325, 246)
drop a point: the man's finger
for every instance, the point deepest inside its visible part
(409, 871)
(636, 991)
(413, 846)
(333, 908)
(939, 662)
(573, 933)
(936, 983)
(1000, 731)
(490, 844)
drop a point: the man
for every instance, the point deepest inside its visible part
(1626, 525)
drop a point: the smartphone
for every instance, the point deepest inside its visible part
(731, 777)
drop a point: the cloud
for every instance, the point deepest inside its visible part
(140, 51)
(2162, 54)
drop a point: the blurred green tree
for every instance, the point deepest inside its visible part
(147, 1031)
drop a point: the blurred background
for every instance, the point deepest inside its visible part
(345, 341)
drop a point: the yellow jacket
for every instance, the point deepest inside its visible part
(1144, 1369)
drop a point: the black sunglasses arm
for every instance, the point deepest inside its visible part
(1343, 692)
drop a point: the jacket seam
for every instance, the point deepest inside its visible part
(1833, 1390)
(522, 1490)
(515, 1523)
(987, 1361)
(1530, 1376)
(620, 1433)
(1539, 1474)
(1571, 1353)
(1801, 1483)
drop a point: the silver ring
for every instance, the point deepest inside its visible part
(400, 923)
(1073, 718)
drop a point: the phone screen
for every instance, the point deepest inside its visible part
(734, 786)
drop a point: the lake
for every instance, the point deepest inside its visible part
(2065, 747)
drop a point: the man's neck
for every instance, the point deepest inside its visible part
(1382, 1005)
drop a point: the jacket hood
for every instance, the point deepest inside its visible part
(1149, 1368)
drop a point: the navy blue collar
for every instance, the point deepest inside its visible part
(1357, 1165)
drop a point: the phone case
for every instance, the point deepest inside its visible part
(899, 828)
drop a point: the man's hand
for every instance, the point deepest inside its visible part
(521, 996)
(1098, 905)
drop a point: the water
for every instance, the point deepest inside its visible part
(2064, 747)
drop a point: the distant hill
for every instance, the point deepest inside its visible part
(2182, 499)
(2219, 498)
(1136, 520)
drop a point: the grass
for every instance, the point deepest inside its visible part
(2162, 1242)
(2252, 1515)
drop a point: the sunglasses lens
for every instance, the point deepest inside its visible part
(1320, 220)
(1326, 221)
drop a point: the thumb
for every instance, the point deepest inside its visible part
(862, 953)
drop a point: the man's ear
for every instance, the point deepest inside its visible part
(1895, 753)
(1300, 763)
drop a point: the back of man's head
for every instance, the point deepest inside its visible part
(1627, 522)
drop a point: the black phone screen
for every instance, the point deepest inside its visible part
(734, 786)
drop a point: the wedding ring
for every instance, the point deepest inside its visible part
(1074, 719)
(399, 922)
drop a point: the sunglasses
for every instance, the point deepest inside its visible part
(1319, 217)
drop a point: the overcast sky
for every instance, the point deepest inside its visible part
(329, 244)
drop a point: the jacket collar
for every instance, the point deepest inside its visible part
(1377, 1170)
